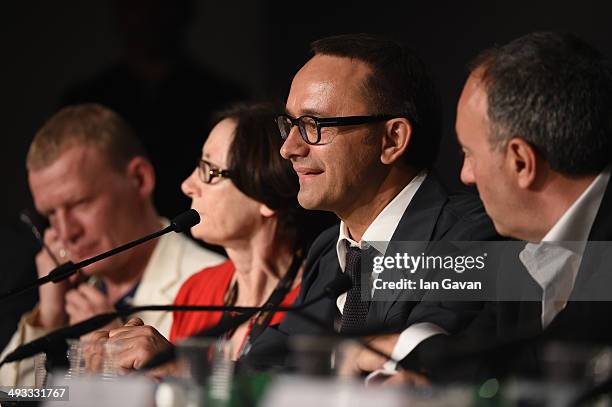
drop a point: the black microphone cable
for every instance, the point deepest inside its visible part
(342, 284)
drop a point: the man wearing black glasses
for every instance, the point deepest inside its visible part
(362, 130)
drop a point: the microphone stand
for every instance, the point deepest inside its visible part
(53, 342)
(179, 224)
(50, 340)
(169, 354)
(77, 330)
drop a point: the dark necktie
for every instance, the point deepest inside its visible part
(355, 310)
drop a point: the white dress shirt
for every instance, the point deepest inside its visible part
(378, 235)
(554, 262)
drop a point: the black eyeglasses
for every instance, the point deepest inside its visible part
(310, 126)
(207, 171)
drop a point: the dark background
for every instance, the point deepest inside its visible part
(49, 49)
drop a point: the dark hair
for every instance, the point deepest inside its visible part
(399, 85)
(257, 168)
(555, 91)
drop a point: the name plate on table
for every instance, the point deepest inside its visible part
(94, 391)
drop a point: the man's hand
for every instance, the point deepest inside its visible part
(86, 301)
(94, 351)
(52, 302)
(135, 343)
(360, 359)
(407, 378)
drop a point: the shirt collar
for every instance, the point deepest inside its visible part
(555, 261)
(572, 229)
(380, 231)
(125, 301)
(577, 221)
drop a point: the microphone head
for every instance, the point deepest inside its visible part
(340, 285)
(185, 221)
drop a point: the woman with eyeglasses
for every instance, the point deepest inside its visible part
(245, 193)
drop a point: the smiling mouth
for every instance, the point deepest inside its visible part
(307, 176)
(307, 172)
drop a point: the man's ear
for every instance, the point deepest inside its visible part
(142, 175)
(395, 140)
(265, 211)
(521, 161)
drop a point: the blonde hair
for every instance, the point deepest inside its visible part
(87, 124)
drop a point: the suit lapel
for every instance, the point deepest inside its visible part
(418, 224)
(602, 226)
(328, 269)
(419, 220)
(600, 231)
(584, 317)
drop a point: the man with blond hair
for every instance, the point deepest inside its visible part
(90, 177)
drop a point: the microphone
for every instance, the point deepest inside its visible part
(185, 221)
(179, 224)
(335, 288)
(42, 344)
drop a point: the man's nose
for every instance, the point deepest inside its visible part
(294, 145)
(467, 173)
(67, 226)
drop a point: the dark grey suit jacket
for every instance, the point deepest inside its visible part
(507, 337)
(432, 215)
